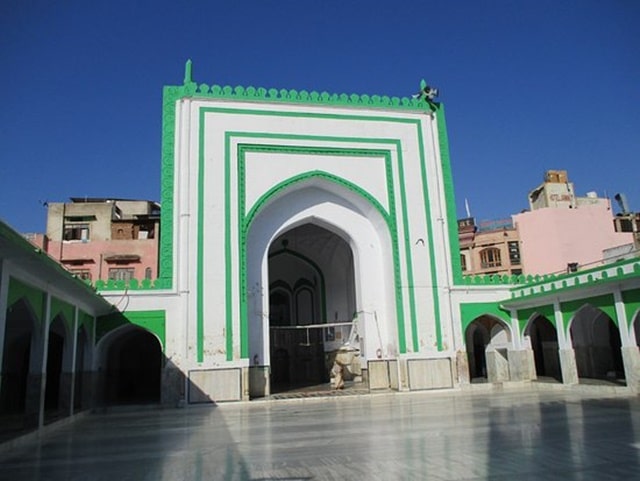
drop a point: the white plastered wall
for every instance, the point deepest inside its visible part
(207, 140)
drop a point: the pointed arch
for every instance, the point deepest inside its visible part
(596, 342)
(129, 360)
(543, 337)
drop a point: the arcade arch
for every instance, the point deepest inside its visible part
(544, 343)
(487, 336)
(130, 366)
(597, 345)
(20, 339)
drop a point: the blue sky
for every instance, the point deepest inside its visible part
(528, 86)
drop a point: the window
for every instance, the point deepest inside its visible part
(121, 273)
(147, 273)
(463, 262)
(514, 252)
(78, 232)
(490, 258)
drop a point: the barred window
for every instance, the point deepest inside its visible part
(490, 258)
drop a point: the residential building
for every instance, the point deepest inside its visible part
(491, 247)
(564, 232)
(102, 238)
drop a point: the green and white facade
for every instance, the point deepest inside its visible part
(332, 208)
(344, 203)
(287, 209)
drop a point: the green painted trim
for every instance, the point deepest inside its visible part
(86, 321)
(170, 97)
(200, 251)
(470, 311)
(388, 217)
(594, 274)
(289, 96)
(152, 321)
(65, 309)
(631, 300)
(604, 302)
(449, 193)
(407, 247)
(525, 315)
(415, 122)
(323, 292)
(34, 297)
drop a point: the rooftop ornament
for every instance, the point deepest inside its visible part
(426, 92)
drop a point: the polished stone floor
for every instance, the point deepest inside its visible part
(512, 435)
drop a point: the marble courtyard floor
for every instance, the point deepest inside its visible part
(510, 435)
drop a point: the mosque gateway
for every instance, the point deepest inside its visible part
(310, 239)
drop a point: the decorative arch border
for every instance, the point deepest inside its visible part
(330, 150)
(190, 89)
(172, 94)
(389, 219)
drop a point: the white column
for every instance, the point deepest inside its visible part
(74, 346)
(623, 322)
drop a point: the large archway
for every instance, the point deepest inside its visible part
(318, 253)
(544, 343)
(597, 345)
(131, 364)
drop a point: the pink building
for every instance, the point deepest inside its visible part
(104, 238)
(567, 232)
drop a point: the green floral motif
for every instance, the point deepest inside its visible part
(193, 89)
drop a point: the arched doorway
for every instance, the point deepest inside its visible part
(596, 343)
(544, 343)
(488, 339)
(308, 267)
(318, 253)
(132, 367)
(20, 337)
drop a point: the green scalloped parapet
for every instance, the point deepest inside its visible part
(572, 279)
(193, 89)
(493, 279)
(131, 285)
